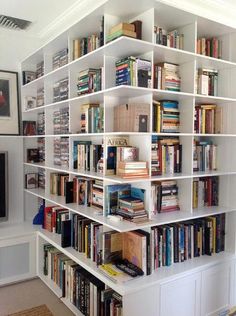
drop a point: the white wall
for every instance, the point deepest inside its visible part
(14, 47)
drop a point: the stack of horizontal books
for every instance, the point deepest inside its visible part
(122, 29)
(132, 209)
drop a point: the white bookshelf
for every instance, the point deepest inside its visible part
(151, 13)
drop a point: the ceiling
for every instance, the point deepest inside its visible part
(39, 12)
(52, 16)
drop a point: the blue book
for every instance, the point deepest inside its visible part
(170, 104)
(112, 195)
(138, 193)
(168, 246)
(111, 159)
(181, 243)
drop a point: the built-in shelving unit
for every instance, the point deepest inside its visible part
(150, 13)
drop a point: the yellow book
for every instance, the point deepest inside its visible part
(158, 127)
(213, 219)
(195, 194)
(203, 121)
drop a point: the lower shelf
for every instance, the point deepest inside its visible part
(57, 292)
(164, 274)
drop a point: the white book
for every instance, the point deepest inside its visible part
(95, 295)
(91, 299)
(203, 84)
(49, 265)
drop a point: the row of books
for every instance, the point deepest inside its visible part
(166, 116)
(85, 45)
(133, 117)
(163, 246)
(185, 240)
(133, 71)
(167, 77)
(172, 39)
(166, 155)
(61, 151)
(126, 201)
(89, 81)
(92, 118)
(61, 121)
(164, 197)
(85, 237)
(58, 183)
(209, 47)
(60, 59)
(205, 192)
(81, 288)
(207, 82)
(87, 156)
(60, 90)
(208, 119)
(53, 218)
(79, 190)
(88, 44)
(204, 156)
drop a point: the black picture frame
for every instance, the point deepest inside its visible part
(4, 202)
(9, 103)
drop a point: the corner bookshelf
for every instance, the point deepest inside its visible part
(150, 13)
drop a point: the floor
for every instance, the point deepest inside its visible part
(21, 296)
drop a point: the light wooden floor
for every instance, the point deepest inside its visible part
(20, 296)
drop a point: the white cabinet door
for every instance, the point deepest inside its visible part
(17, 259)
(217, 289)
(181, 297)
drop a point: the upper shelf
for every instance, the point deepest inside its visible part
(125, 46)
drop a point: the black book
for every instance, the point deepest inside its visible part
(218, 233)
(143, 232)
(196, 250)
(66, 233)
(63, 283)
(176, 243)
(142, 78)
(222, 230)
(69, 192)
(208, 238)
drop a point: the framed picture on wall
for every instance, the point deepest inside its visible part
(9, 103)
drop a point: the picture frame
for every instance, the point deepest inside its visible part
(9, 103)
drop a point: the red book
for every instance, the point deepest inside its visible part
(47, 214)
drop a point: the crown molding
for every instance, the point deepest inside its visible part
(80, 9)
(216, 10)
